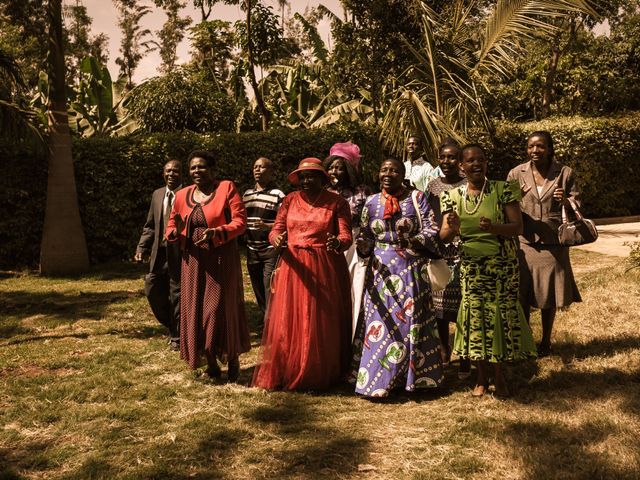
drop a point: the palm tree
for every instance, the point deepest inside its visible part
(15, 121)
(441, 93)
(282, 4)
(63, 249)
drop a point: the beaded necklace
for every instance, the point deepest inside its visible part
(480, 198)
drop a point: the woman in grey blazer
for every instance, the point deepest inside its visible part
(546, 277)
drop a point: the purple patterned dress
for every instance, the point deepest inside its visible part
(396, 343)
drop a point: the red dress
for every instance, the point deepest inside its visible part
(307, 336)
(212, 317)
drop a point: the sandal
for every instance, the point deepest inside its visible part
(480, 390)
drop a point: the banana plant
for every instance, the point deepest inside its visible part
(97, 106)
(299, 96)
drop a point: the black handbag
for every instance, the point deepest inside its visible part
(579, 231)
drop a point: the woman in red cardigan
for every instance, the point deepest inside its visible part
(206, 219)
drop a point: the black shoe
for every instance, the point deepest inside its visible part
(544, 350)
(213, 371)
(233, 371)
(174, 344)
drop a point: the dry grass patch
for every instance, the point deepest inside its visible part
(89, 389)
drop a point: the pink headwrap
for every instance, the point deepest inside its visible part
(349, 151)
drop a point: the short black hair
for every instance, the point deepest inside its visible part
(547, 137)
(173, 160)
(206, 155)
(449, 142)
(473, 145)
(268, 163)
(398, 162)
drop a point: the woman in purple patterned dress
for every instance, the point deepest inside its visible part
(396, 343)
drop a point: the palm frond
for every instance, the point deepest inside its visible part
(326, 13)
(408, 114)
(10, 70)
(19, 123)
(350, 110)
(513, 20)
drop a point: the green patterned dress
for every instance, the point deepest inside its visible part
(491, 324)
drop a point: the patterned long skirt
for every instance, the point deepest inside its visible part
(491, 324)
(396, 343)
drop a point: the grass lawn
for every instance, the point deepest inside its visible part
(89, 389)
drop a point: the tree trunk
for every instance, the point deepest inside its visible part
(63, 249)
(547, 94)
(264, 113)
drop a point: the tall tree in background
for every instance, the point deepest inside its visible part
(369, 53)
(564, 40)
(79, 43)
(262, 42)
(212, 50)
(23, 28)
(282, 4)
(440, 95)
(63, 249)
(135, 41)
(205, 7)
(172, 32)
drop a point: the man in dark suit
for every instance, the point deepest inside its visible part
(162, 283)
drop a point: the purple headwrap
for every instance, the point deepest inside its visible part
(349, 151)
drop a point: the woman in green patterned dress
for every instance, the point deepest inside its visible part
(491, 327)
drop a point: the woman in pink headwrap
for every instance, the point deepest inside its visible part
(343, 167)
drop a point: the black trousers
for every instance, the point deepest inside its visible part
(162, 288)
(260, 271)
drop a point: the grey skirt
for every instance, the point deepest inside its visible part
(546, 277)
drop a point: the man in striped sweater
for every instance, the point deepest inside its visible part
(262, 203)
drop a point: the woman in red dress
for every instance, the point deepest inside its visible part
(306, 342)
(206, 219)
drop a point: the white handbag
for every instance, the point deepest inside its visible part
(438, 269)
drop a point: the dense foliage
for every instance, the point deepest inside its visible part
(115, 176)
(181, 101)
(596, 75)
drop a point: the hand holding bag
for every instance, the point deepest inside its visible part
(437, 268)
(580, 231)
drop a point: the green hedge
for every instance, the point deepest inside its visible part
(115, 176)
(604, 152)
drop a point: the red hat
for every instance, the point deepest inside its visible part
(310, 163)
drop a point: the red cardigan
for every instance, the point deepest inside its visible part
(223, 209)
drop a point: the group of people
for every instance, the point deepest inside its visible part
(344, 277)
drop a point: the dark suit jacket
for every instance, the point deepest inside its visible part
(541, 214)
(153, 231)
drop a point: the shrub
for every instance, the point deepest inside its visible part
(115, 176)
(180, 101)
(604, 152)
